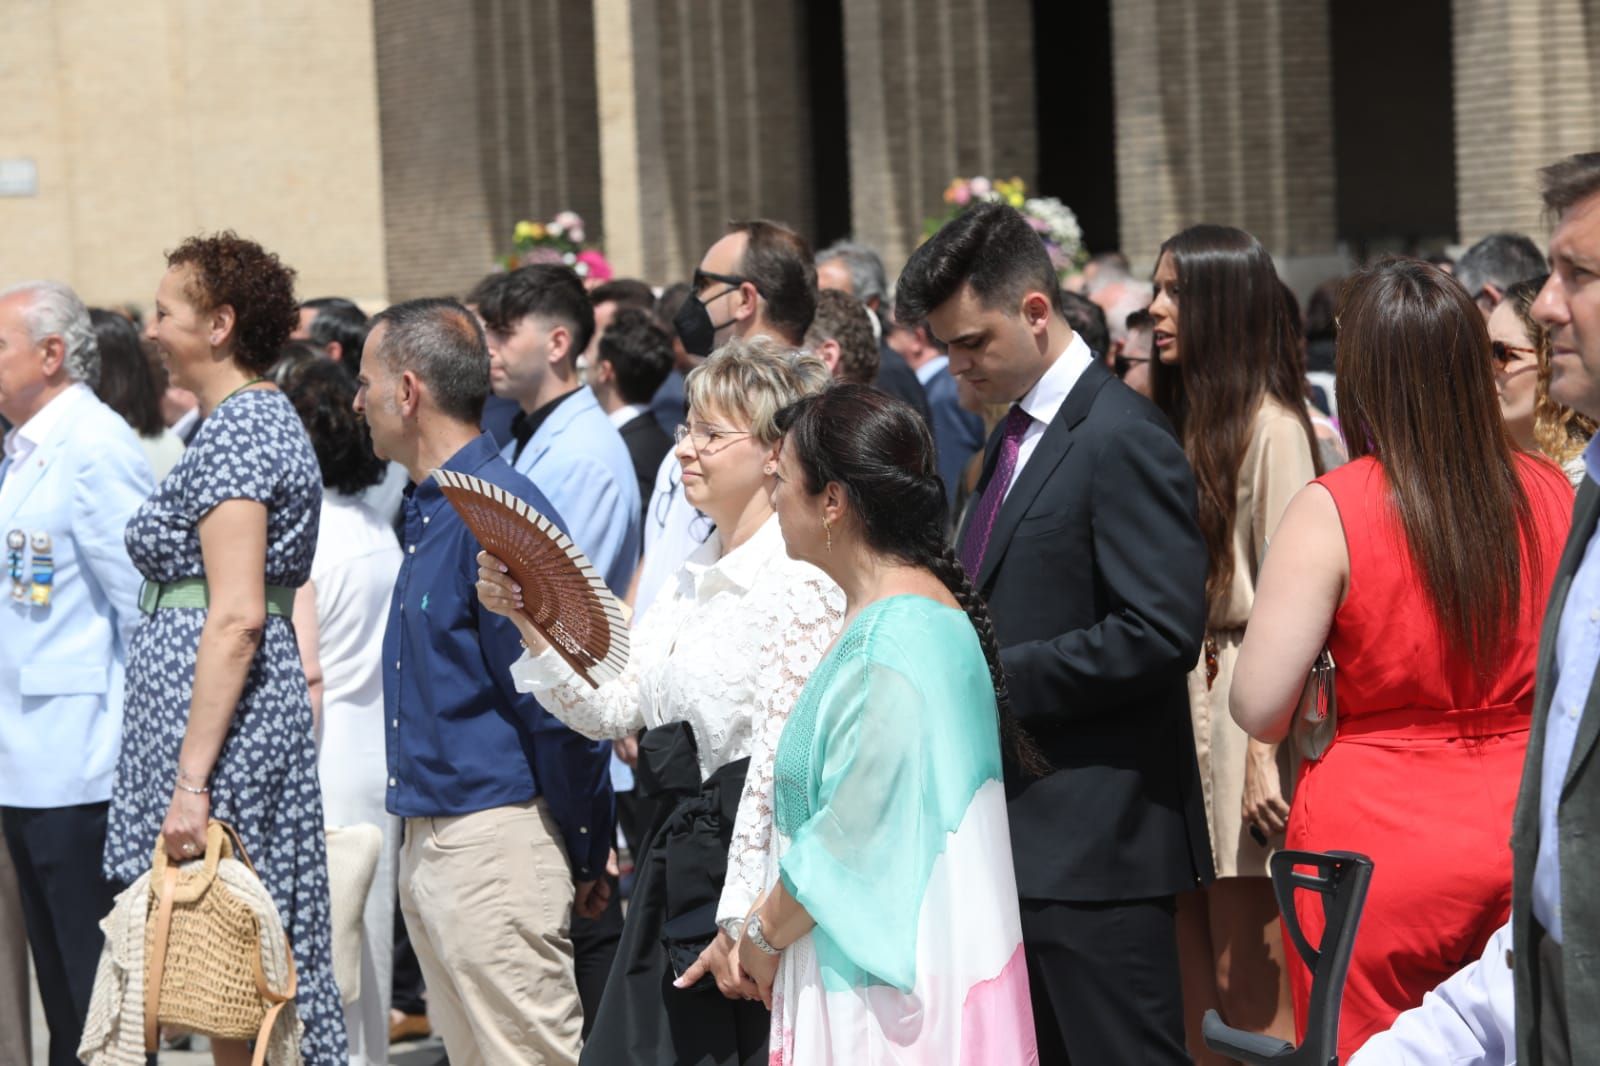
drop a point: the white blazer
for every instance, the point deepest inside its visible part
(61, 665)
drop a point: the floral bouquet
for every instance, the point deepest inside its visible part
(1053, 220)
(559, 240)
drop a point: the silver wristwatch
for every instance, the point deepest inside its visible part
(752, 932)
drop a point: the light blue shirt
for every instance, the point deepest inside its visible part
(925, 373)
(1577, 657)
(77, 475)
(579, 461)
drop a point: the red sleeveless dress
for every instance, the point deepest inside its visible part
(1423, 771)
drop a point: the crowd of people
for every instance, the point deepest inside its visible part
(965, 706)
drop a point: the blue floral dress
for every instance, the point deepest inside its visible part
(264, 784)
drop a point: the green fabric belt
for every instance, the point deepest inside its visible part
(193, 592)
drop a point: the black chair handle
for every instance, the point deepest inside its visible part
(1238, 1044)
(1341, 882)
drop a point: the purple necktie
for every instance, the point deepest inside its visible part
(977, 541)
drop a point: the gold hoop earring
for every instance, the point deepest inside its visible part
(827, 530)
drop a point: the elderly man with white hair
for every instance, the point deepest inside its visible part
(71, 475)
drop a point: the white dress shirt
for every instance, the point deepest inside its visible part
(727, 646)
(23, 439)
(673, 531)
(1043, 401)
(627, 413)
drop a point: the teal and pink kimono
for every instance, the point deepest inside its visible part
(892, 833)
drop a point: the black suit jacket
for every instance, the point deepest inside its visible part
(1095, 575)
(648, 444)
(896, 377)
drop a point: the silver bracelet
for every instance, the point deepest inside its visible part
(203, 790)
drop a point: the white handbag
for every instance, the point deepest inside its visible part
(1316, 718)
(353, 852)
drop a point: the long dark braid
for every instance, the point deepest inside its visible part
(880, 451)
(1018, 744)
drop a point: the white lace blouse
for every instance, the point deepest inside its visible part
(727, 646)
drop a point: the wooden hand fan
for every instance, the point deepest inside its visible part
(562, 595)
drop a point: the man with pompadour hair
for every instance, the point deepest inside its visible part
(1097, 638)
(539, 320)
(508, 813)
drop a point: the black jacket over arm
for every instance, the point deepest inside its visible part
(1095, 575)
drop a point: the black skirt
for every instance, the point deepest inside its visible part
(643, 1020)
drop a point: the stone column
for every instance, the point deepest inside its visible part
(1527, 75)
(1224, 114)
(706, 118)
(937, 89)
(489, 115)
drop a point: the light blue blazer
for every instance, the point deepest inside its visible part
(61, 665)
(578, 459)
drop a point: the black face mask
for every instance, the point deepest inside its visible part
(695, 328)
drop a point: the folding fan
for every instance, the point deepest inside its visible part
(562, 595)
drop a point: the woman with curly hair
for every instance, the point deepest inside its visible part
(217, 721)
(1521, 348)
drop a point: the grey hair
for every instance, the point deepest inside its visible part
(1501, 260)
(442, 343)
(867, 276)
(54, 310)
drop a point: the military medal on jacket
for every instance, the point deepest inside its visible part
(44, 571)
(16, 545)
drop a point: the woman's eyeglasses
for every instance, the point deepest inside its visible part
(702, 435)
(1504, 353)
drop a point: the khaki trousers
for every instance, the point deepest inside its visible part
(15, 1028)
(487, 899)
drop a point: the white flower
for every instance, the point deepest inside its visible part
(981, 187)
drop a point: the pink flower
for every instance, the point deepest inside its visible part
(592, 265)
(961, 195)
(981, 187)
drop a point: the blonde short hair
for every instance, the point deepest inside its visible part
(752, 379)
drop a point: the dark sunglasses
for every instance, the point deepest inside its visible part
(1503, 353)
(1123, 363)
(703, 278)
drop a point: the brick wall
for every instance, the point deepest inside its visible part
(489, 115)
(937, 89)
(153, 121)
(1224, 114)
(1527, 92)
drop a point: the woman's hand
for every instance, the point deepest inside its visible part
(1264, 805)
(720, 961)
(756, 965)
(184, 830)
(500, 594)
(497, 590)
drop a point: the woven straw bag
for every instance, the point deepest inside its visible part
(203, 953)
